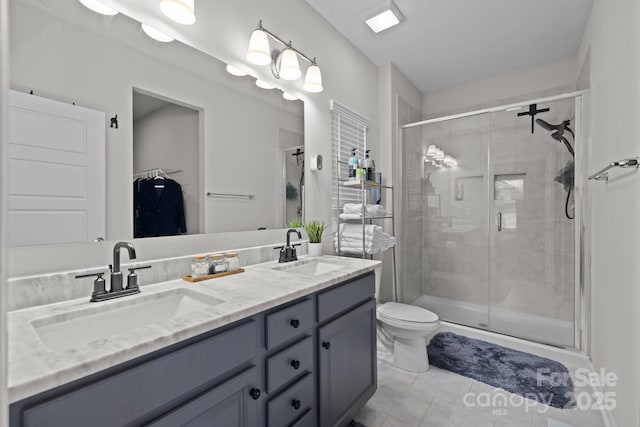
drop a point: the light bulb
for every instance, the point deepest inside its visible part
(313, 79)
(258, 52)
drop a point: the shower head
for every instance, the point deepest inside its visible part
(558, 132)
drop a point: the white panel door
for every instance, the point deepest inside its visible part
(56, 172)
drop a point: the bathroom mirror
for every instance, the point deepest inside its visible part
(249, 145)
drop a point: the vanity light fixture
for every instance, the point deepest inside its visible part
(384, 17)
(432, 150)
(284, 63)
(181, 11)
(235, 71)
(156, 34)
(289, 97)
(439, 156)
(99, 7)
(264, 85)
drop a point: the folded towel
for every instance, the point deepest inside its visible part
(371, 210)
(350, 217)
(355, 230)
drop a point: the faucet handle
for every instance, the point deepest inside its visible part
(132, 278)
(99, 285)
(278, 247)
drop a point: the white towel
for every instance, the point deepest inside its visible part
(355, 230)
(350, 217)
(371, 210)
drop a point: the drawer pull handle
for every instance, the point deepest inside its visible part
(296, 404)
(295, 364)
(326, 345)
(254, 393)
(295, 323)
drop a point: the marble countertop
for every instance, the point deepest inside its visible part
(35, 367)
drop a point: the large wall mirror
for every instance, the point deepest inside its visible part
(236, 151)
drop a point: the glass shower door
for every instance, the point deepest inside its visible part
(531, 263)
(445, 220)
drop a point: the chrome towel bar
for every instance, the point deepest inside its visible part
(241, 196)
(603, 175)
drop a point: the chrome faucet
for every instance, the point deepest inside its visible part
(99, 285)
(116, 274)
(288, 252)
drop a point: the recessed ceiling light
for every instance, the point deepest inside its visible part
(156, 35)
(384, 17)
(264, 85)
(235, 71)
(99, 7)
(289, 97)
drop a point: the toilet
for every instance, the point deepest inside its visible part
(406, 330)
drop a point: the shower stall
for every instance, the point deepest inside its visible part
(491, 234)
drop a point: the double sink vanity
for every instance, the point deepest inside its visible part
(279, 345)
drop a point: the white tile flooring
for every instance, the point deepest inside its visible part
(436, 399)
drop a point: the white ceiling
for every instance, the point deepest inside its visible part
(443, 43)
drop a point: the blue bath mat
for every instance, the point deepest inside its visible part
(521, 373)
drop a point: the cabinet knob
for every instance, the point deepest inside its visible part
(295, 323)
(326, 345)
(295, 364)
(254, 393)
(296, 404)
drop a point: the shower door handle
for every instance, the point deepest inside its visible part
(499, 221)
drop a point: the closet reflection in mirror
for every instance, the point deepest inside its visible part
(64, 52)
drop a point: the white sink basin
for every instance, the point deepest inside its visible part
(105, 319)
(309, 267)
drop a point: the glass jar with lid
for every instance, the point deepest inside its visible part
(217, 264)
(199, 266)
(232, 260)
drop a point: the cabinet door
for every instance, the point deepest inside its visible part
(347, 364)
(233, 403)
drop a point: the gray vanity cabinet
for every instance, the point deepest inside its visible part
(229, 404)
(346, 364)
(263, 371)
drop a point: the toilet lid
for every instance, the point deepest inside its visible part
(407, 313)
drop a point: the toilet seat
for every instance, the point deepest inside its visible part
(405, 313)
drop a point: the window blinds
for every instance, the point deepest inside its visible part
(348, 131)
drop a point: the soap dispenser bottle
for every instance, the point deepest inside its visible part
(353, 165)
(369, 168)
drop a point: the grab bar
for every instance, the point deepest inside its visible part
(603, 175)
(242, 196)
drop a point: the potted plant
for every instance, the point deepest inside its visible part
(315, 230)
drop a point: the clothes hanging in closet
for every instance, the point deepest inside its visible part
(158, 208)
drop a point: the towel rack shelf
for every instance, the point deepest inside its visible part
(603, 174)
(233, 196)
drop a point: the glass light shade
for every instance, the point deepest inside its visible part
(264, 85)
(289, 65)
(156, 35)
(258, 52)
(99, 7)
(432, 150)
(313, 79)
(454, 162)
(448, 160)
(181, 11)
(289, 97)
(439, 155)
(235, 71)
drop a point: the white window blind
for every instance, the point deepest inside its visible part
(348, 131)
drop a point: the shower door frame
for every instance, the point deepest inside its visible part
(582, 203)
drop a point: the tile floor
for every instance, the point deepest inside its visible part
(437, 399)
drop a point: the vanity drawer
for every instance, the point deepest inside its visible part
(132, 394)
(307, 420)
(282, 409)
(289, 363)
(341, 298)
(288, 322)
